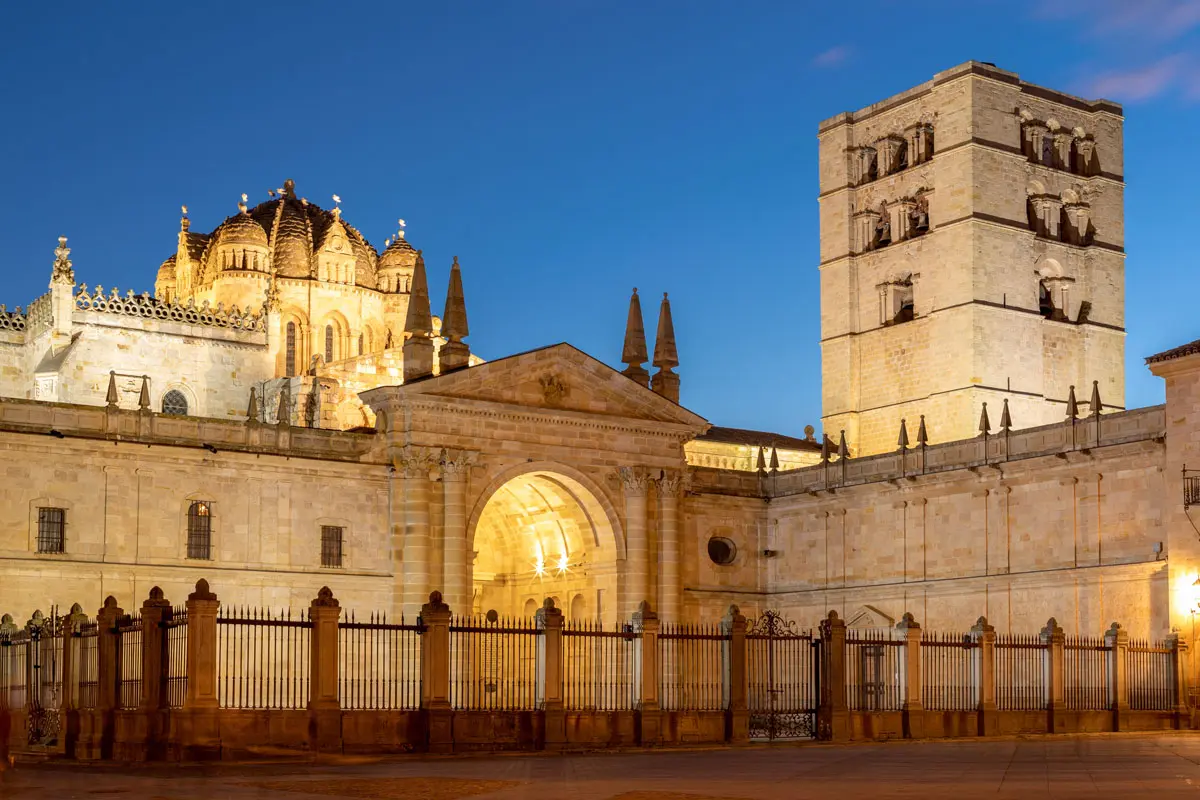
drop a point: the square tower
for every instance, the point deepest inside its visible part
(972, 251)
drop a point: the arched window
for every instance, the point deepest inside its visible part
(328, 343)
(1045, 301)
(174, 402)
(199, 531)
(289, 363)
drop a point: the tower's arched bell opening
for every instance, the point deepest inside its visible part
(543, 534)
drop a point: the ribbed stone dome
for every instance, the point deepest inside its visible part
(241, 229)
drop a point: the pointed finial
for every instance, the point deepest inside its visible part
(283, 417)
(843, 450)
(922, 436)
(985, 424)
(252, 408)
(110, 399)
(902, 442)
(761, 466)
(1095, 405)
(665, 355)
(774, 459)
(633, 353)
(289, 188)
(1005, 419)
(419, 320)
(144, 395)
(454, 319)
(826, 446)
(62, 272)
(1072, 405)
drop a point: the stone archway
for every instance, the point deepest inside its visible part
(545, 530)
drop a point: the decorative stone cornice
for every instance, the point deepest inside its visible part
(145, 306)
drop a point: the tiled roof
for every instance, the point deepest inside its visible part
(1176, 352)
(758, 439)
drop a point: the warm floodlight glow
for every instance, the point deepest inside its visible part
(562, 564)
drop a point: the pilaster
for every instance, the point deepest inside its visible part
(456, 471)
(634, 483)
(669, 485)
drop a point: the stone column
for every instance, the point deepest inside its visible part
(69, 678)
(668, 546)
(198, 726)
(1055, 666)
(156, 611)
(833, 717)
(550, 668)
(985, 675)
(646, 674)
(637, 568)
(737, 689)
(435, 674)
(324, 710)
(1116, 639)
(413, 465)
(107, 675)
(913, 712)
(456, 585)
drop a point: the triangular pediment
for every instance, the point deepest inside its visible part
(555, 378)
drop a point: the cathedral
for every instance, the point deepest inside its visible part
(286, 412)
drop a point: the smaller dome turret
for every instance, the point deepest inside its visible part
(396, 264)
(164, 284)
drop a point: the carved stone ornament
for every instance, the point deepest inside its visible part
(670, 483)
(63, 273)
(415, 462)
(633, 480)
(553, 388)
(202, 592)
(325, 599)
(456, 464)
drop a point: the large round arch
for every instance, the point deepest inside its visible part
(541, 530)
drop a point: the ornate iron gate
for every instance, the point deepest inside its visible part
(783, 670)
(44, 678)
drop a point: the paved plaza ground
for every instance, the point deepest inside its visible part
(1117, 765)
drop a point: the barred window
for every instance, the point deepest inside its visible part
(331, 545)
(174, 402)
(289, 366)
(52, 523)
(199, 534)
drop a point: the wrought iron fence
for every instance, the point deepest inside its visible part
(263, 659)
(494, 662)
(1150, 671)
(1085, 670)
(88, 663)
(129, 660)
(692, 667)
(783, 679)
(599, 666)
(14, 668)
(44, 695)
(873, 671)
(379, 663)
(948, 672)
(1020, 673)
(175, 631)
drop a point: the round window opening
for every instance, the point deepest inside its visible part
(721, 551)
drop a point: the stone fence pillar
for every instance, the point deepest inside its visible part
(550, 668)
(1116, 639)
(1055, 672)
(100, 741)
(68, 726)
(985, 676)
(7, 630)
(156, 612)
(197, 725)
(324, 710)
(912, 710)
(737, 689)
(833, 717)
(646, 674)
(1179, 668)
(435, 673)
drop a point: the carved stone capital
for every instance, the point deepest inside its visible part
(456, 464)
(671, 483)
(414, 462)
(634, 480)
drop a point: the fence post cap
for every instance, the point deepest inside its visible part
(435, 604)
(7, 627)
(548, 604)
(1115, 628)
(908, 622)
(202, 591)
(832, 615)
(325, 599)
(1051, 627)
(156, 599)
(982, 626)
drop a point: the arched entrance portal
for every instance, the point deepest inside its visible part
(544, 533)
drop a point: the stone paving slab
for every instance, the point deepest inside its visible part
(1126, 766)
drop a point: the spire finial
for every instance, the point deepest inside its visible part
(633, 354)
(774, 459)
(111, 398)
(922, 436)
(761, 466)
(62, 272)
(144, 394)
(454, 319)
(1005, 419)
(1095, 406)
(843, 449)
(283, 417)
(902, 442)
(418, 320)
(666, 357)
(1072, 405)
(985, 424)
(252, 408)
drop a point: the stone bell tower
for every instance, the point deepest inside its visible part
(972, 250)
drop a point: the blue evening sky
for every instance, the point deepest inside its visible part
(565, 150)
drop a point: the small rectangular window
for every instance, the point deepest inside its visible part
(199, 532)
(52, 524)
(331, 545)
